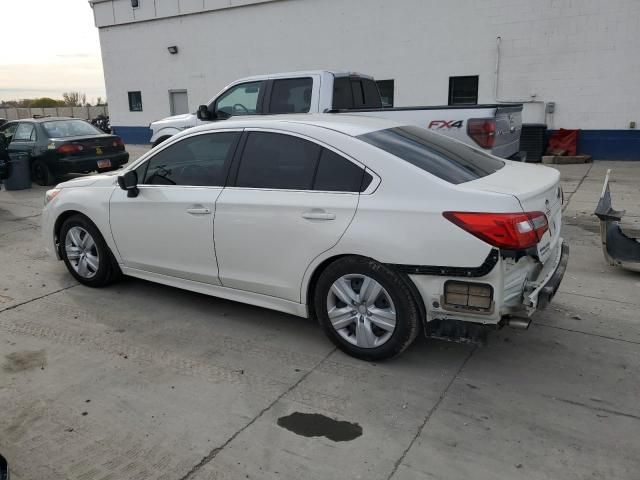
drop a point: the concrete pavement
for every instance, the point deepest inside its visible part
(142, 381)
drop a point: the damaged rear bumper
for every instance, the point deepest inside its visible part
(618, 248)
(542, 296)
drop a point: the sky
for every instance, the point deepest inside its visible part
(49, 47)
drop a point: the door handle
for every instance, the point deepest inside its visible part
(318, 215)
(199, 211)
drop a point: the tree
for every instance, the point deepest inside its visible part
(74, 99)
(45, 102)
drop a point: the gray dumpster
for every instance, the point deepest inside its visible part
(19, 172)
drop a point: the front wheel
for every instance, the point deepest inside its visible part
(86, 254)
(366, 309)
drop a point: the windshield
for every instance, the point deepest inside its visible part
(447, 159)
(69, 128)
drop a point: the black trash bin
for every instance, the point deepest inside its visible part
(533, 140)
(19, 172)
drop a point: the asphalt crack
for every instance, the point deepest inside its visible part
(591, 407)
(584, 177)
(26, 302)
(589, 333)
(430, 414)
(214, 453)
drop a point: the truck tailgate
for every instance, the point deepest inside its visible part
(452, 121)
(508, 129)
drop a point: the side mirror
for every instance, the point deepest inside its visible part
(129, 182)
(204, 114)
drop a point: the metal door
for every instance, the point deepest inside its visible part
(178, 102)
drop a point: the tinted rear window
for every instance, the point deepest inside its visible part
(449, 160)
(69, 128)
(342, 97)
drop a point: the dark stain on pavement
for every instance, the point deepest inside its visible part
(24, 360)
(317, 425)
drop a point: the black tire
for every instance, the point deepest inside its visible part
(41, 173)
(160, 140)
(407, 311)
(108, 270)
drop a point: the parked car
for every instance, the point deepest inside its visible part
(494, 128)
(59, 145)
(3, 121)
(102, 122)
(377, 229)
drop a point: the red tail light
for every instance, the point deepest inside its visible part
(117, 142)
(511, 231)
(483, 131)
(70, 148)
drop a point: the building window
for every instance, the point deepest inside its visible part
(135, 101)
(386, 88)
(463, 90)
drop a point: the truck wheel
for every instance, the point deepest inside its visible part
(41, 174)
(86, 254)
(366, 309)
(160, 140)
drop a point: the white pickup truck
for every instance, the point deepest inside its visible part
(494, 128)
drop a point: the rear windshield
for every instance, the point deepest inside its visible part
(447, 159)
(69, 128)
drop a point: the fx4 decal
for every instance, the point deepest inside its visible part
(442, 124)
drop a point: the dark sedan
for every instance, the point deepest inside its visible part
(57, 146)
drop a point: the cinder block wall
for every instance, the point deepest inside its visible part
(582, 55)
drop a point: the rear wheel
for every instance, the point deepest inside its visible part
(41, 173)
(366, 309)
(86, 254)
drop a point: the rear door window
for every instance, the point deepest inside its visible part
(337, 174)
(449, 160)
(291, 95)
(277, 161)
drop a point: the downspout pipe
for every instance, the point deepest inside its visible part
(497, 79)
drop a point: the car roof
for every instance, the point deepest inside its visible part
(45, 119)
(352, 125)
(302, 73)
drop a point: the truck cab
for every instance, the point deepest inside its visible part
(493, 128)
(292, 92)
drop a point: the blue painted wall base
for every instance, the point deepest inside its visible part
(133, 135)
(608, 144)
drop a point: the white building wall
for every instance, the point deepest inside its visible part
(581, 54)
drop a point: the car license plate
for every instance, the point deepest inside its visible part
(99, 151)
(104, 163)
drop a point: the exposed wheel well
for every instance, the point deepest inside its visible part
(320, 268)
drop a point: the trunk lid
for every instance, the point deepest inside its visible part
(92, 145)
(537, 189)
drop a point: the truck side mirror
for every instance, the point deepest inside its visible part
(129, 182)
(204, 114)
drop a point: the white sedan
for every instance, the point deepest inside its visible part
(376, 229)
